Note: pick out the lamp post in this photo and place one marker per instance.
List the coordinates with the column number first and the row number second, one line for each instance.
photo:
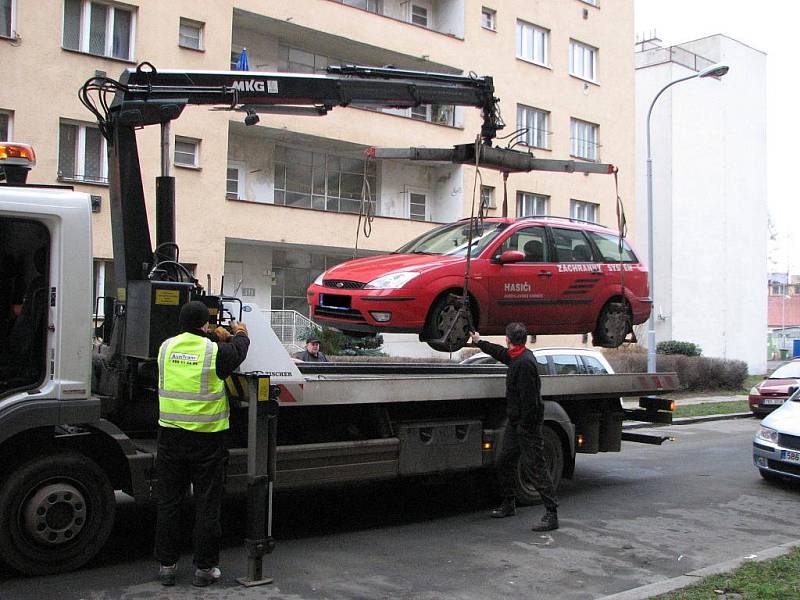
column 717, row 70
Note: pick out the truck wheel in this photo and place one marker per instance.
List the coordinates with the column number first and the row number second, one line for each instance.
column 553, row 456
column 613, row 325
column 443, row 314
column 56, row 512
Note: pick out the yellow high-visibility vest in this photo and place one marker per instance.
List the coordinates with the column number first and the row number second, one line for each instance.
column 190, row 395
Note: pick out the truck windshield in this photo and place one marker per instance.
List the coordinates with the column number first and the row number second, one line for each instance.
column 452, row 239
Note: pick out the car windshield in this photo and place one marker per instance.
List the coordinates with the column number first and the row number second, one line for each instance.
column 788, row 371
column 452, row 239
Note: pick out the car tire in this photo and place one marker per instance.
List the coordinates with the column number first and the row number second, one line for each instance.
column 442, row 313
column 613, row 325
column 56, row 513
column 553, row 456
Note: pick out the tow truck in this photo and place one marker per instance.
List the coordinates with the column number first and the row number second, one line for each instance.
column 78, row 407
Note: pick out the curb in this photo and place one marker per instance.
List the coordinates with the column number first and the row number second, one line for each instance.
column 690, row 420
column 676, row 583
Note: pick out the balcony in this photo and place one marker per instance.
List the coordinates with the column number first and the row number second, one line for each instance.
column 268, row 165
column 443, row 16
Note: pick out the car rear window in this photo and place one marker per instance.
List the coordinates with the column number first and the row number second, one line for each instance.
column 608, row 245
column 571, row 246
column 593, row 366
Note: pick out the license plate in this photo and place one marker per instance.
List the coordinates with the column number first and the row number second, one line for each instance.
column 790, row 456
column 773, row 401
column 334, row 301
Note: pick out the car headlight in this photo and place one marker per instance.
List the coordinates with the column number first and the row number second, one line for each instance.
column 754, row 391
column 318, row 280
column 768, row 435
column 392, row 281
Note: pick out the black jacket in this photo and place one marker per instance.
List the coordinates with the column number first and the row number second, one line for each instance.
column 523, row 386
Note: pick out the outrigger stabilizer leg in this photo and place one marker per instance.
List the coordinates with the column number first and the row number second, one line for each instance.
column 262, row 429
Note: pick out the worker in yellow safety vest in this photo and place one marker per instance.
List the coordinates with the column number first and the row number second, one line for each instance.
column 192, row 424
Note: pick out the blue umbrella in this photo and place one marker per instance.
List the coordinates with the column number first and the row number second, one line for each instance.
column 242, row 64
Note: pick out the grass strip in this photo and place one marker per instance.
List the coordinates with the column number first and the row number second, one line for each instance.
column 711, row 408
column 776, row 579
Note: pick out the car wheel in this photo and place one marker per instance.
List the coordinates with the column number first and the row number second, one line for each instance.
column 613, row 325
column 56, row 512
column 448, row 324
column 553, row 456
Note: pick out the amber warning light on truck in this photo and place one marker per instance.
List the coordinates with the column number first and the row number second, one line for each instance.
column 17, row 154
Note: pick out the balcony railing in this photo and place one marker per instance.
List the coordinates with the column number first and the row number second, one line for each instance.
column 290, row 327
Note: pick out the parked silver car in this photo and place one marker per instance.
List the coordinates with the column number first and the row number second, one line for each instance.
column 776, row 446
column 557, row 361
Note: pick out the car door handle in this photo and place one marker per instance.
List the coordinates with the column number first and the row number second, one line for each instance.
column 545, row 273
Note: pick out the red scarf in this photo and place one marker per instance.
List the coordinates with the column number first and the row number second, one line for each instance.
column 516, row 351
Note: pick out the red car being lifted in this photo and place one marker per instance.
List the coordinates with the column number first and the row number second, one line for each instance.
column 557, row 276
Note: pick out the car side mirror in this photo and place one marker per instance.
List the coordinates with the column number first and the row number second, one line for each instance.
column 511, row 256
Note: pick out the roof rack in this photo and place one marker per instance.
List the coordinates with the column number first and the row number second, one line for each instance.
column 570, row 219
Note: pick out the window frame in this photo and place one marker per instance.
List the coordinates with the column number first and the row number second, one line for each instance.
column 490, row 194
column 9, row 114
column 523, row 196
column 12, row 23
column 537, row 137
column 521, row 43
column 241, row 180
column 79, row 165
column 411, row 14
column 580, row 141
column 199, row 25
column 196, row 154
column 574, row 46
column 84, row 29
column 576, row 206
column 413, row 191
column 489, row 24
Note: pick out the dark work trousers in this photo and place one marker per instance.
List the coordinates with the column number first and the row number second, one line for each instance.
column 527, row 442
column 186, row 457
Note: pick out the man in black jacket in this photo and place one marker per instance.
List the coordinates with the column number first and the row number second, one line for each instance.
column 523, row 439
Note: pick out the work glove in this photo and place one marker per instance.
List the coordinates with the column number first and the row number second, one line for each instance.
column 223, row 335
column 237, row 328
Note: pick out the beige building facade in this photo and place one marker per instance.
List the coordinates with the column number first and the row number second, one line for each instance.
column 271, row 205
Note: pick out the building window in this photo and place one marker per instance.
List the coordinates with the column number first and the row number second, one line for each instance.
column 487, row 197
column 532, row 205
column 370, row 5
column 489, row 19
column 582, row 61
column 99, row 28
column 7, row 15
column 419, row 15
column 235, row 181
column 190, row 34
column 187, row 152
column 592, row 2
column 583, row 211
column 532, row 43
column 321, row 181
column 583, row 138
column 417, row 206
column 5, row 126
column 81, row 153
column 535, row 124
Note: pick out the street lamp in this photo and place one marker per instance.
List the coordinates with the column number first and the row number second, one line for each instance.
column 717, row 70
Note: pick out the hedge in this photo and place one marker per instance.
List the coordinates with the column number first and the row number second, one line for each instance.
column 694, row 372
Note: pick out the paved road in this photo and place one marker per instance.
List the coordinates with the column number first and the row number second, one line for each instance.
column 628, row 519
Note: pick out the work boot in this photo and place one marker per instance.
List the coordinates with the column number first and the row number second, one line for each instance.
column 204, row 577
column 166, row 574
column 549, row 522
column 507, row 509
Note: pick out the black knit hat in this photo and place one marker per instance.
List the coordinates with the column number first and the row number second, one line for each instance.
column 193, row 315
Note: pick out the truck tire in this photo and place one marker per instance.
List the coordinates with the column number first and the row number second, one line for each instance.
column 553, row 456
column 56, row 512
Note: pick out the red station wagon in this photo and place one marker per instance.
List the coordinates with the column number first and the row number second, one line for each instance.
column 558, row 276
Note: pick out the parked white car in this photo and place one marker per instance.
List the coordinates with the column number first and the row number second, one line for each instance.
column 558, row 361
column 776, row 446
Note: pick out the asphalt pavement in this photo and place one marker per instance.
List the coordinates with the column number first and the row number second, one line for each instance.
column 644, row 516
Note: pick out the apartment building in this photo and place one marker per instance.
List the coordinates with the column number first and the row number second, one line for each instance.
column 271, row 205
